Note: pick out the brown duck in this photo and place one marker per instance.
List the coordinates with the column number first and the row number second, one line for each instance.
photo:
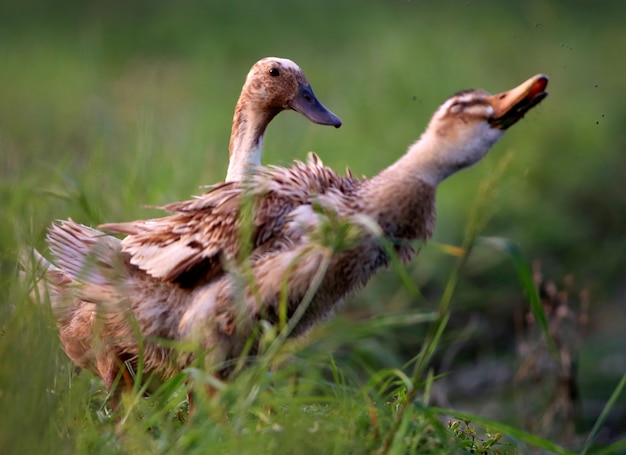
column 272, row 85
column 180, row 277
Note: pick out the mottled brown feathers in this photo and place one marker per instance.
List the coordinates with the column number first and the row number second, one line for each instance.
column 206, row 231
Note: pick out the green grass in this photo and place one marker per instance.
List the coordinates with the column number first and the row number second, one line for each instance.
column 107, row 108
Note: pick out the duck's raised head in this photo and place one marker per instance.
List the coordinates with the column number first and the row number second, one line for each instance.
column 276, row 84
column 467, row 125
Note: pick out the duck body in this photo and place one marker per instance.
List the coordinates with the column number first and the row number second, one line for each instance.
column 216, row 308
column 272, row 85
column 182, row 276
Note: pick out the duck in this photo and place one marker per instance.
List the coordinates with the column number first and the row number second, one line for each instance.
column 272, row 85
column 304, row 237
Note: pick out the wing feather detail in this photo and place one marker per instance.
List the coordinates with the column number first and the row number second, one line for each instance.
column 205, row 232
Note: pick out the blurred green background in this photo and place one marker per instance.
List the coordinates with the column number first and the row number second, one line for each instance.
column 109, row 106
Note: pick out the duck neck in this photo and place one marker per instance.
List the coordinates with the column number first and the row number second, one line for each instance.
column 402, row 196
column 414, row 168
column 422, row 162
column 246, row 138
column 402, row 200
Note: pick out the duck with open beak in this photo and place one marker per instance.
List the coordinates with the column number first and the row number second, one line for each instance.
column 512, row 105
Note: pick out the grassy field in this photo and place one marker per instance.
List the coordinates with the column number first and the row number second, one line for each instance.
column 107, row 107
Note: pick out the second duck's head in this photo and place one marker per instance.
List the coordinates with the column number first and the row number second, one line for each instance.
column 468, row 124
column 275, row 84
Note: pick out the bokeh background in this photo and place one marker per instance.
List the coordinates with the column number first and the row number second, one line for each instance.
column 109, row 106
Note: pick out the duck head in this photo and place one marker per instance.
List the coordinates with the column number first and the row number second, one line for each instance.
column 276, row 84
column 467, row 125
column 272, row 85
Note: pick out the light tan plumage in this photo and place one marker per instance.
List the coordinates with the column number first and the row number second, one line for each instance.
column 180, row 275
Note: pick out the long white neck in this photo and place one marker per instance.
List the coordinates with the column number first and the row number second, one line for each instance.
column 419, row 163
column 246, row 139
column 439, row 154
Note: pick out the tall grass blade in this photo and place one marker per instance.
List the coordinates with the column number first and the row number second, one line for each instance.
column 525, row 275
column 604, row 414
column 617, row 448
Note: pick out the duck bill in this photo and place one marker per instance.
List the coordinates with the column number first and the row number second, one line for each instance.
column 306, row 103
column 511, row 106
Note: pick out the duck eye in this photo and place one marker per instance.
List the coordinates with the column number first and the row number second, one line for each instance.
column 456, row 108
column 274, row 72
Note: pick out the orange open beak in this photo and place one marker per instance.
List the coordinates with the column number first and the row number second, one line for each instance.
column 511, row 106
